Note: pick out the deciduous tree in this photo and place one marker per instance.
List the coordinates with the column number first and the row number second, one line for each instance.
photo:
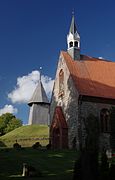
column 8, row 122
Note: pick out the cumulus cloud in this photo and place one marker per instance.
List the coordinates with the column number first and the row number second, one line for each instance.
column 26, row 85
column 8, row 109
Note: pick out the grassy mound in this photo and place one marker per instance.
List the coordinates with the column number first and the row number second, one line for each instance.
column 27, row 135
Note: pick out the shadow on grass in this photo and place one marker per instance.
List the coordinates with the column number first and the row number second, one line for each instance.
column 52, row 164
column 2, row 144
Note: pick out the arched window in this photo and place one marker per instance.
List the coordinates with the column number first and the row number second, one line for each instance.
column 61, row 82
column 76, row 43
column 71, row 44
column 105, row 120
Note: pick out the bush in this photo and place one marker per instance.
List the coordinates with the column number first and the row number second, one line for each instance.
column 37, row 145
column 16, row 145
column 48, row 146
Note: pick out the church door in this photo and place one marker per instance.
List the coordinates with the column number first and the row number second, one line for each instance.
column 59, row 130
column 56, row 138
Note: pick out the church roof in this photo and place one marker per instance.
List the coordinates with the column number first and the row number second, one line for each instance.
column 92, row 76
column 39, row 95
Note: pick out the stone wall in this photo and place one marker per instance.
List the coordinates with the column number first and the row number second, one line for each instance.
column 75, row 111
column 94, row 108
column 68, row 102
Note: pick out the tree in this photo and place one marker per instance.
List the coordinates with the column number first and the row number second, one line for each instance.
column 90, row 153
column 112, row 132
column 87, row 165
column 8, row 122
column 92, row 131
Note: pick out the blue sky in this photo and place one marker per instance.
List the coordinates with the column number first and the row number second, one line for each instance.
column 32, row 33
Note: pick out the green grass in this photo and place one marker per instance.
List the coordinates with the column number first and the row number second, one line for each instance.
column 54, row 165
column 27, row 135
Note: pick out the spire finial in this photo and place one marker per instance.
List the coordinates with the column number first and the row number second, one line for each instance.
column 40, row 72
column 73, row 12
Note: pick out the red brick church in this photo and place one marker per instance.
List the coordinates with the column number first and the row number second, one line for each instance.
column 83, row 85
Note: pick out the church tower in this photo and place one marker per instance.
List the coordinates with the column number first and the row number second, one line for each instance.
column 73, row 41
column 39, row 106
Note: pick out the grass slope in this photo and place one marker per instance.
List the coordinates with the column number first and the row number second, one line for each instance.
column 27, row 135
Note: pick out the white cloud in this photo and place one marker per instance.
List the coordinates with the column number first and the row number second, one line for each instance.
column 48, row 85
column 8, row 109
column 100, row 57
column 26, row 86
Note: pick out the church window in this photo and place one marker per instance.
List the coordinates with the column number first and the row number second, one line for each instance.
column 105, row 120
column 76, row 43
column 71, row 44
column 61, row 82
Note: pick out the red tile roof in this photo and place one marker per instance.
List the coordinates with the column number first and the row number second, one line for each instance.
column 92, row 76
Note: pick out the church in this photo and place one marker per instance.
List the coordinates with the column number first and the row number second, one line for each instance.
column 83, row 85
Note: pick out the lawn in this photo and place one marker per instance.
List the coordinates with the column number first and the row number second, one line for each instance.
column 54, row 165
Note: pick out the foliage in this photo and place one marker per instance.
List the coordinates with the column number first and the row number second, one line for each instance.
column 104, row 161
column 36, row 145
column 48, row 146
column 92, row 131
column 90, row 154
column 16, row 145
column 87, row 165
column 8, row 122
column 112, row 172
column 112, row 121
column 104, row 166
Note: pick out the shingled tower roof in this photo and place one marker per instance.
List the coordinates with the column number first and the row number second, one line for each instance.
column 39, row 95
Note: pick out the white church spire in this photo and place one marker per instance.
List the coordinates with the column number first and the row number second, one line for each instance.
column 73, row 41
